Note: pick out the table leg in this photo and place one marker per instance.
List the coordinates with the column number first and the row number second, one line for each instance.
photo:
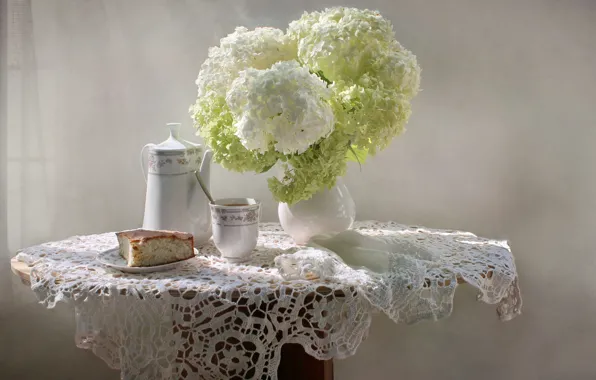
column 296, row 364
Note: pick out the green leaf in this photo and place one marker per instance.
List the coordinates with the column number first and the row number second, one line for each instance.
column 356, row 154
column 266, row 168
column 323, row 77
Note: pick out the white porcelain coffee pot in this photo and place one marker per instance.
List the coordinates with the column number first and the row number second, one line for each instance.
column 174, row 199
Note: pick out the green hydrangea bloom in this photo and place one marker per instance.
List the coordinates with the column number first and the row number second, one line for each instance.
column 370, row 80
column 373, row 76
column 316, row 169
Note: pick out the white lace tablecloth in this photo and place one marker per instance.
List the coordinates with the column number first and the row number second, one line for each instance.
column 210, row 319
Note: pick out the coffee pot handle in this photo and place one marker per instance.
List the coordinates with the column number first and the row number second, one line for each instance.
column 143, row 168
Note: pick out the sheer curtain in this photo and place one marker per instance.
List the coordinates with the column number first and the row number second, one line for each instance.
column 5, row 283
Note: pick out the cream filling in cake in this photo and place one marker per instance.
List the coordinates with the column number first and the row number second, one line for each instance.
column 143, row 248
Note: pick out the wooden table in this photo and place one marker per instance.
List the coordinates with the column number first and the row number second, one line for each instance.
column 295, row 363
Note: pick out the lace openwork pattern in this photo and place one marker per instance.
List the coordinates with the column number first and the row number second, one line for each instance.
column 210, row 319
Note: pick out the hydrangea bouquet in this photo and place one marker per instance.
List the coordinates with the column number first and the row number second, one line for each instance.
column 335, row 87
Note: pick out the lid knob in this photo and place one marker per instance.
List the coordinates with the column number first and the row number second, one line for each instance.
column 174, row 130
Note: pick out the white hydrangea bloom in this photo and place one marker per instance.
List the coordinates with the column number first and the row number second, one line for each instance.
column 259, row 49
column 354, row 46
column 285, row 105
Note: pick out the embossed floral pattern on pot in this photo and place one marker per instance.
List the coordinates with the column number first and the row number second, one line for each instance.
column 155, row 163
column 174, row 163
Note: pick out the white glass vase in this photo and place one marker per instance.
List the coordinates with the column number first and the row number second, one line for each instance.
column 327, row 212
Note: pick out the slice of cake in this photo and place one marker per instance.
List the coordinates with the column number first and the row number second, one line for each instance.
column 145, row 248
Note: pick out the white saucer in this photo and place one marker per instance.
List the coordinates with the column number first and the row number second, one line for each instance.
column 111, row 258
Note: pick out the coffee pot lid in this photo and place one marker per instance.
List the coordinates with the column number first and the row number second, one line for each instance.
column 174, row 143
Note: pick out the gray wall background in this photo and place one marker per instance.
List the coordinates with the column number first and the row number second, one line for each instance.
column 500, row 143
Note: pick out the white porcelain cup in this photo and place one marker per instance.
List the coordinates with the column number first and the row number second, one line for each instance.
column 235, row 224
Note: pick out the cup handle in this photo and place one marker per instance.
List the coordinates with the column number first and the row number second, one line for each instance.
column 143, row 168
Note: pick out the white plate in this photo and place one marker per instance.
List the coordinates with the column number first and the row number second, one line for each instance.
column 111, row 258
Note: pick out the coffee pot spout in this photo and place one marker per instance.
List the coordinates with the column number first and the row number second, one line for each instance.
column 205, row 169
